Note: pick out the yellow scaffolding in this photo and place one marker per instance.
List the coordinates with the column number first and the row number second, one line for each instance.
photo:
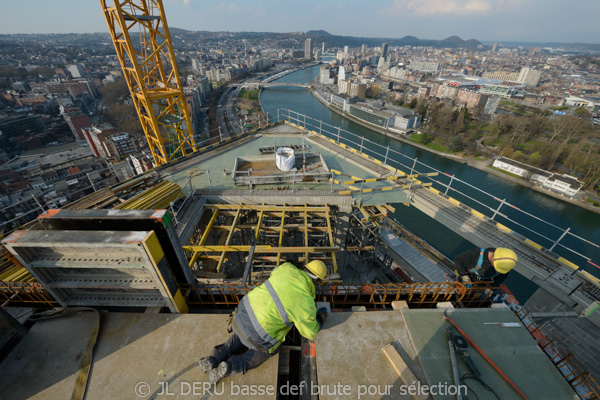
column 151, row 74
column 262, row 234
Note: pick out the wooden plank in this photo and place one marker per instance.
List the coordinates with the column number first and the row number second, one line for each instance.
column 401, row 368
column 262, row 249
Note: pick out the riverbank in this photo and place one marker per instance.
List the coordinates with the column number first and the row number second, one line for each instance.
column 482, row 165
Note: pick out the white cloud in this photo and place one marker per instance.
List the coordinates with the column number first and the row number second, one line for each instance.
column 233, row 8
column 186, row 2
column 444, row 7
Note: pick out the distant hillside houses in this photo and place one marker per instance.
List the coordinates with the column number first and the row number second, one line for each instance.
column 563, row 184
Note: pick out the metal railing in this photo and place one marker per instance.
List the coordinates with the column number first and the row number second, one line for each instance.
column 488, row 204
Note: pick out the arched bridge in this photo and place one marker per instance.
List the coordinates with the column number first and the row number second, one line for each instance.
column 279, row 84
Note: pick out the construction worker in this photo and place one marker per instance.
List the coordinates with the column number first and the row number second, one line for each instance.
column 265, row 316
column 487, row 265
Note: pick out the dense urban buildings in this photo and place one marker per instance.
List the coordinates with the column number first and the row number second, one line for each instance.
column 71, row 98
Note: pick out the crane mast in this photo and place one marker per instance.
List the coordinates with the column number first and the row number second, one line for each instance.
column 140, row 33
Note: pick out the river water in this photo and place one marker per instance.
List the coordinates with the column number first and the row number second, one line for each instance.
column 582, row 223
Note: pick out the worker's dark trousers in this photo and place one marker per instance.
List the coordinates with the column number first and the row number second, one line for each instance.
column 241, row 357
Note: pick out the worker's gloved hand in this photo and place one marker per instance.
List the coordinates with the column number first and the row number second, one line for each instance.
column 466, row 280
column 321, row 316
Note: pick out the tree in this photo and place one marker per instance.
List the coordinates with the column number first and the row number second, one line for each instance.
column 375, row 91
column 502, row 123
column 535, row 159
column 574, row 153
column 558, row 152
column 422, row 106
column 592, row 173
column 426, row 137
column 518, row 128
column 456, row 144
column 519, row 156
column 115, row 92
column 568, row 127
column 507, row 151
column 583, row 112
column 534, row 127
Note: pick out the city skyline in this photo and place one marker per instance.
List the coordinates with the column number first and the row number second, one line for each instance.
column 486, row 20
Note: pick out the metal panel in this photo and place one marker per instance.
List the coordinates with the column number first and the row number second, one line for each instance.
column 98, row 268
column 159, row 221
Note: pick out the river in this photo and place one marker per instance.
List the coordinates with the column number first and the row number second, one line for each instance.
column 583, row 223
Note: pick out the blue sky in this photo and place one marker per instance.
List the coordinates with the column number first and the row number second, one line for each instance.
column 509, row 20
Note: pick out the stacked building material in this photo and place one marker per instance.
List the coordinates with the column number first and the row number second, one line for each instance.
column 157, row 197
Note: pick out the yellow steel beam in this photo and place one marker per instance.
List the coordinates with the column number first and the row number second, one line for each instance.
column 268, row 208
column 300, row 227
column 365, row 213
column 331, row 241
column 260, row 217
column 203, row 238
column 272, row 259
column 357, row 248
column 281, row 234
column 261, row 249
column 208, row 228
column 306, row 232
column 235, row 220
column 383, row 189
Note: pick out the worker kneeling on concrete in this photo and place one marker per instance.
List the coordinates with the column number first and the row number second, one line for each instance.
column 265, row 316
column 488, row 265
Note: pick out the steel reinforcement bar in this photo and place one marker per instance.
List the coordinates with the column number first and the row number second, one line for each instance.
column 424, row 295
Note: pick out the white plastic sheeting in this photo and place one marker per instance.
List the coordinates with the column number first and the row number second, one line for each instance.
column 285, row 158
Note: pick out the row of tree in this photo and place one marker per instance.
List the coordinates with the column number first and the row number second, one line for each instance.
column 566, row 144
column 119, row 114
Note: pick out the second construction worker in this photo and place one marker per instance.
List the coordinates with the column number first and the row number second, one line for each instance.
column 487, row 265
column 265, row 316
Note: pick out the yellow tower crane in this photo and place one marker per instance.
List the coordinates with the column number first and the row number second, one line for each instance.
column 141, row 37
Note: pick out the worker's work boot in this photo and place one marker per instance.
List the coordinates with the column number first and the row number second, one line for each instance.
column 207, row 364
column 216, row 374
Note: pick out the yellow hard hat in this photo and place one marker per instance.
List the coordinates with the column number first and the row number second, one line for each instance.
column 504, row 260
column 318, row 268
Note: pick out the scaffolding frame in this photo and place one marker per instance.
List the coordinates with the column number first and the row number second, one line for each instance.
column 236, row 239
column 364, row 231
column 151, row 73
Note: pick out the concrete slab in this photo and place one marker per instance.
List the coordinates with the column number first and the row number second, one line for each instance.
column 512, row 349
column 200, row 176
column 136, row 356
column 350, row 361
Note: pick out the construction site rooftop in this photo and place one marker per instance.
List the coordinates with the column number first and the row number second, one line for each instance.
column 214, row 170
column 358, row 355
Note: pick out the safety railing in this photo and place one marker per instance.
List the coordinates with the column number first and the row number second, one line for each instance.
column 488, row 204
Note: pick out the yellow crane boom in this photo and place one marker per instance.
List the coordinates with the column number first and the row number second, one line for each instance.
column 140, row 33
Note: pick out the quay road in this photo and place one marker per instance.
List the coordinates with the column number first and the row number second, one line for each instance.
column 228, row 126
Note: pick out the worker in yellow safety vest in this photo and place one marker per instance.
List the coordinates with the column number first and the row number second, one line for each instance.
column 265, row 316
